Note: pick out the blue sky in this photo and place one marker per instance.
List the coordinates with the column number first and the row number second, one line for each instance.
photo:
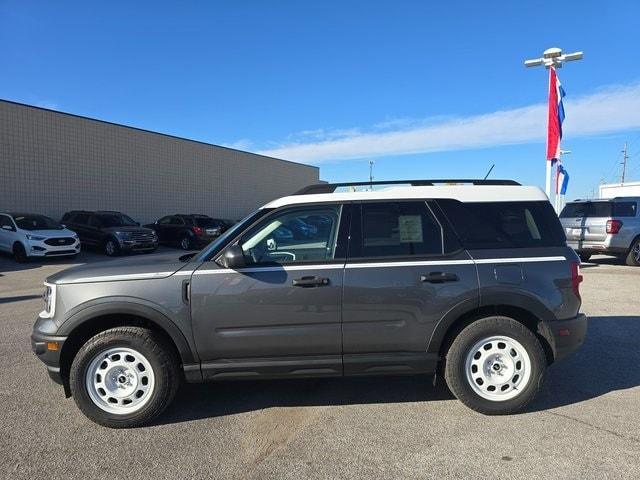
column 413, row 85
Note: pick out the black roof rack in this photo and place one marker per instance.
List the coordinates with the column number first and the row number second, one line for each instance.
column 331, row 187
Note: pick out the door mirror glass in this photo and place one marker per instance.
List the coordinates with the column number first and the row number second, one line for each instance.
column 234, row 257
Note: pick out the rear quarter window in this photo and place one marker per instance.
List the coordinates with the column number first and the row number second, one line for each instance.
column 625, row 209
column 483, row 225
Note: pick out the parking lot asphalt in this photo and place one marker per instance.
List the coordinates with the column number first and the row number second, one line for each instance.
column 584, row 424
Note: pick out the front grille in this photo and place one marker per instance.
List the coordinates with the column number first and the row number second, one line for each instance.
column 141, row 236
column 59, row 242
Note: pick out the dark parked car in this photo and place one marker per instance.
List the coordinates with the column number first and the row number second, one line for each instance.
column 473, row 281
column 113, row 232
column 188, row 231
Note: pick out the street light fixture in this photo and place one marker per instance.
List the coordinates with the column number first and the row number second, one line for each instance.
column 553, row 57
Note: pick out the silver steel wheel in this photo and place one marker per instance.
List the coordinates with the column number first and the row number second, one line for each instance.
column 120, row 380
column 110, row 247
column 498, row 368
column 636, row 252
column 185, row 243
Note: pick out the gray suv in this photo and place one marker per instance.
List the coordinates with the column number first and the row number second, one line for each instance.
column 473, row 281
column 610, row 227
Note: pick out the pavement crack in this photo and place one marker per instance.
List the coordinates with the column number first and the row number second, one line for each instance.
column 596, row 427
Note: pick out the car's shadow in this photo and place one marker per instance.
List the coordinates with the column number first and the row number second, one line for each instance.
column 608, row 361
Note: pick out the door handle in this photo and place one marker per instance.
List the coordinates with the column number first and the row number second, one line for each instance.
column 307, row 282
column 439, row 277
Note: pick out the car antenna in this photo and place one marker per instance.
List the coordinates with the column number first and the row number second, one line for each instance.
column 485, row 177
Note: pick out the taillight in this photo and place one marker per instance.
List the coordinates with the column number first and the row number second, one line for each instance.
column 576, row 278
column 613, row 226
column 197, row 230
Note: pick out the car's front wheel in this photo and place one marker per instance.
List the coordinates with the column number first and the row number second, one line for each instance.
column 111, row 247
column 495, row 366
column 19, row 253
column 124, row 377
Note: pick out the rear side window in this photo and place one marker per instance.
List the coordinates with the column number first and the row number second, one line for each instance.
column 587, row 209
column 398, row 229
column 504, row 224
column 625, row 209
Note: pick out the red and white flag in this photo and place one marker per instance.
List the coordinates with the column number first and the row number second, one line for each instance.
column 555, row 118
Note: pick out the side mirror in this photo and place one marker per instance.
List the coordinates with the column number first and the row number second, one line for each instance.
column 234, row 257
column 8, row 228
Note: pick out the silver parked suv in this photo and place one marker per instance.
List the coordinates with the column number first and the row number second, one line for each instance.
column 472, row 280
column 609, row 226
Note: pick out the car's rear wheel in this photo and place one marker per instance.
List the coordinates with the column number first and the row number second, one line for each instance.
column 124, row 377
column 186, row 243
column 633, row 257
column 111, row 247
column 19, row 253
column 495, row 366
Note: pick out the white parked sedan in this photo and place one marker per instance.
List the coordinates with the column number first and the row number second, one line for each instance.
column 30, row 235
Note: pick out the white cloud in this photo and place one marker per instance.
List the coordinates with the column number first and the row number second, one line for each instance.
column 242, row 144
column 609, row 110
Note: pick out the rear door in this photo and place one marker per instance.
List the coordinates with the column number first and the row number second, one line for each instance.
column 163, row 228
column 403, row 274
column 6, row 236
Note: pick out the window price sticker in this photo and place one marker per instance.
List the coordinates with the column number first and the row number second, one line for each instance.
column 410, row 227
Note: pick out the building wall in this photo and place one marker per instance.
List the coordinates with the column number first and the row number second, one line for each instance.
column 52, row 162
column 630, row 189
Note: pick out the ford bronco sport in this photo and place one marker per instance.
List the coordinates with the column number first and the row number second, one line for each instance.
column 473, row 280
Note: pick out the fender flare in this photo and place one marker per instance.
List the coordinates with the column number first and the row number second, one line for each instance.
column 128, row 306
column 488, row 298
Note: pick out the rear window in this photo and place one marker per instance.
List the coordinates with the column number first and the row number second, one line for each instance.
column 504, row 224
column 587, row 209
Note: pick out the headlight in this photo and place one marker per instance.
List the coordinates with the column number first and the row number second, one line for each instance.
column 75, row 235
column 49, row 297
column 35, row 237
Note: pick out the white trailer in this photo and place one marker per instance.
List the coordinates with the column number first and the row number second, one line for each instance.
column 612, row 190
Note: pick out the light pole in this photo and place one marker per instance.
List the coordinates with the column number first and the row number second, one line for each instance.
column 371, row 162
column 552, row 58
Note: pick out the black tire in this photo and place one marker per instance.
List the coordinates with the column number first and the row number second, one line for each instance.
column 455, row 366
column 633, row 257
column 19, row 253
column 160, row 356
column 186, row 243
column 111, row 247
column 584, row 257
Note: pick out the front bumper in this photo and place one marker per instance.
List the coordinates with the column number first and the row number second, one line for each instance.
column 47, row 348
column 566, row 336
column 137, row 246
column 37, row 248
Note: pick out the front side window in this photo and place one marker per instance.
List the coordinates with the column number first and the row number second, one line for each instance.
column 398, row 229
column 304, row 234
column 165, row 221
column 5, row 221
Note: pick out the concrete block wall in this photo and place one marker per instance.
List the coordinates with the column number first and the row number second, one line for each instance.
column 51, row 162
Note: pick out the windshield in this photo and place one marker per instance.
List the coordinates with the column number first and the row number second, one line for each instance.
column 36, row 222
column 214, row 247
column 117, row 220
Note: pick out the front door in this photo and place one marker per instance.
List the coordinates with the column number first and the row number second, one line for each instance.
column 404, row 273
column 279, row 315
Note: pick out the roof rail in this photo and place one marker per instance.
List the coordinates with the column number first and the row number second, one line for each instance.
column 331, row 187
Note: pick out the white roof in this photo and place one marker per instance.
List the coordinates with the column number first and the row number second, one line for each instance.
column 464, row 193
